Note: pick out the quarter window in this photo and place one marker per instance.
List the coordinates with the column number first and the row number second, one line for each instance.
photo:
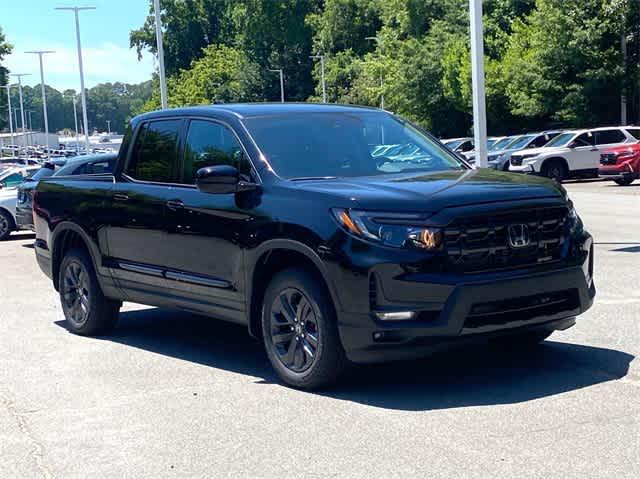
column 635, row 132
column 607, row 137
column 155, row 153
column 210, row 144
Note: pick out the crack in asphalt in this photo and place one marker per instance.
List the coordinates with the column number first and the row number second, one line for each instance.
column 37, row 452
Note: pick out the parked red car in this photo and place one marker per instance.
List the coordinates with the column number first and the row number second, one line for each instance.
column 621, row 164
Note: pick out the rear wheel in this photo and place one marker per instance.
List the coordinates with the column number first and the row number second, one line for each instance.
column 87, row 311
column 300, row 331
column 626, row 181
column 6, row 225
column 554, row 170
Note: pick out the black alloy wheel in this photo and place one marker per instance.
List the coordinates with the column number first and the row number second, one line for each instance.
column 74, row 291
column 300, row 330
column 294, row 330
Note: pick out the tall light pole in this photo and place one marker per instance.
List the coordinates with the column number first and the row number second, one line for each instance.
column 82, row 93
column 8, row 87
column 75, row 119
column 28, row 112
column 477, row 77
column 279, row 70
column 324, row 89
column 378, row 43
column 19, row 76
column 40, row 53
column 109, row 127
column 160, row 49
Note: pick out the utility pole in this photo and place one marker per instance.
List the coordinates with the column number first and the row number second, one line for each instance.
column 324, row 88
column 623, row 95
column 19, row 76
column 8, row 87
column 109, row 126
column 477, row 77
column 160, row 49
column 30, row 127
column 279, row 70
column 40, row 53
column 75, row 10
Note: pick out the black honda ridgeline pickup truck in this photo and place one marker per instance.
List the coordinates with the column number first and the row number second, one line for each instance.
column 336, row 234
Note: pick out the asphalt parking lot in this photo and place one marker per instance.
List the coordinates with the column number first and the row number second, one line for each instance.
column 175, row 395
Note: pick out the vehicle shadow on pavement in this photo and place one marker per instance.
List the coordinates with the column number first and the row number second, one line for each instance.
column 471, row 377
column 20, row 237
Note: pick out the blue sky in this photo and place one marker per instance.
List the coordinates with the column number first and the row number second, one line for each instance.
column 35, row 25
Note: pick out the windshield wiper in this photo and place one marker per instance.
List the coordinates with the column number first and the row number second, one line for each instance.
column 306, row 178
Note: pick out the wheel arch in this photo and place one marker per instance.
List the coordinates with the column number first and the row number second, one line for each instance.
column 65, row 237
column 272, row 257
column 559, row 159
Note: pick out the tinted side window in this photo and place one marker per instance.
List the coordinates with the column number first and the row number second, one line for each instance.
column 635, row 132
column 541, row 141
column 155, row 153
column 607, row 137
column 586, row 139
column 210, row 144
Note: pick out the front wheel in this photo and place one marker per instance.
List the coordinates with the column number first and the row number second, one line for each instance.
column 300, row 331
column 554, row 170
column 626, row 181
column 86, row 309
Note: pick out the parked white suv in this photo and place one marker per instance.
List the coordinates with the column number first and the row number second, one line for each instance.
column 573, row 153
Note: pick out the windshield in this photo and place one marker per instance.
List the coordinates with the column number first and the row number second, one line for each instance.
column 454, row 144
column 520, row 142
column 320, row 145
column 500, row 144
column 43, row 172
column 561, row 140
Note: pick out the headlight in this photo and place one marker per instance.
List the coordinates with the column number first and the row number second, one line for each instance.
column 575, row 223
column 397, row 230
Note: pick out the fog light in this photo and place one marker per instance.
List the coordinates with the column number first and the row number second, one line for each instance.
column 396, row 315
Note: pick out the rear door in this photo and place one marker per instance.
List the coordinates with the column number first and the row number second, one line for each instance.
column 206, row 231
column 137, row 237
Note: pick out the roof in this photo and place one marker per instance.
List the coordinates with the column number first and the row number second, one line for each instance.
column 248, row 110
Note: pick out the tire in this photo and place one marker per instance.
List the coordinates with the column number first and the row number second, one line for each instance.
column 305, row 354
column 87, row 311
column 6, row 225
column 554, row 170
column 624, row 181
column 524, row 340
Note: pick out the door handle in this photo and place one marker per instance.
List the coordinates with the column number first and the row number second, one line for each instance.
column 121, row 197
column 174, row 205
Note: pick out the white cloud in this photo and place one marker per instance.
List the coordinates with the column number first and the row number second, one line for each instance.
column 107, row 63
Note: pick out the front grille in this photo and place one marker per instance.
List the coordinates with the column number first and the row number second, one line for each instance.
column 608, row 158
column 526, row 308
column 482, row 243
column 516, row 160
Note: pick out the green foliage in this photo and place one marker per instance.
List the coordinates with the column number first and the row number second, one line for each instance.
column 5, row 49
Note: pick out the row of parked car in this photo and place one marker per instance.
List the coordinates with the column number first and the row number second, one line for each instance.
column 18, row 181
column 609, row 152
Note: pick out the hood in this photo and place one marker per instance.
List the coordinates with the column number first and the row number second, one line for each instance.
column 540, row 151
column 432, row 192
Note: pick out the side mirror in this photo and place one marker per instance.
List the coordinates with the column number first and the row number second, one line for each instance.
column 221, row 179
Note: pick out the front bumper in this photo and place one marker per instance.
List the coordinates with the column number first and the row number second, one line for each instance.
column 453, row 313
column 616, row 172
column 527, row 169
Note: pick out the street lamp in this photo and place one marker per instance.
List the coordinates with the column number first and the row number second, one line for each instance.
column 8, row 87
column 378, row 43
column 19, row 76
column 279, row 70
column 40, row 53
column 160, row 49
column 28, row 112
column 82, row 93
column 477, row 77
column 109, row 126
column 324, row 89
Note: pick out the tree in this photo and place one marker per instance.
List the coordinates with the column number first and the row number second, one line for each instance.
column 5, row 49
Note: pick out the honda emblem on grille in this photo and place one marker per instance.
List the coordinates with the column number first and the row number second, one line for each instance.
column 519, row 235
